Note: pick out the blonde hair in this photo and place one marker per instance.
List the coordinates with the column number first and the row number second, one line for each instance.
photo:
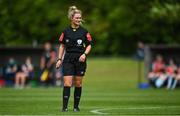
column 73, row 10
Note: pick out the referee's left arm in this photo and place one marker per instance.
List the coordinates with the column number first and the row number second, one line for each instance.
column 88, row 49
column 89, row 42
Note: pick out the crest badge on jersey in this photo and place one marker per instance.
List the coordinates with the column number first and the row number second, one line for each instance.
column 79, row 41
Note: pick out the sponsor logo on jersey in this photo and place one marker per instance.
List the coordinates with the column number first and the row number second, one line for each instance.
column 67, row 40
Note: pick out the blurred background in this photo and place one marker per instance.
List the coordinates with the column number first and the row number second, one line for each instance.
column 114, row 25
column 119, row 28
column 128, row 36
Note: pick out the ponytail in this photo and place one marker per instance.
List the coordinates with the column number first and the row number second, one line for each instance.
column 73, row 10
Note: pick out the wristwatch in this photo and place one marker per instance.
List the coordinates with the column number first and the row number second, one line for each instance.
column 59, row 59
column 85, row 54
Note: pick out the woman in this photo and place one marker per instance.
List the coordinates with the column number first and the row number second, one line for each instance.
column 47, row 63
column 157, row 75
column 177, row 78
column 75, row 42
column 24, row 71
column 171, row 68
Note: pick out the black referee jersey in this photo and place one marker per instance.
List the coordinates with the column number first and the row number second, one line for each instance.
column 75, row 40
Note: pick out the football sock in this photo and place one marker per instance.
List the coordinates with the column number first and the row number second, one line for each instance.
column 66, row 94
column 77, row 96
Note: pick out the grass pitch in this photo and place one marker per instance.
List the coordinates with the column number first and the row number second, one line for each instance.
column 109, row 88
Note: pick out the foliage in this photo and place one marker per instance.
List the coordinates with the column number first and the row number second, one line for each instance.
column 116, row 25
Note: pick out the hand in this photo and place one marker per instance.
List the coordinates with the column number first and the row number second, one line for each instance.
column 58, row 64
column 82, row 58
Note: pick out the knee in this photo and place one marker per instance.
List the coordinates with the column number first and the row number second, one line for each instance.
column 78, row 83
column 17, row 75
column 67, row 83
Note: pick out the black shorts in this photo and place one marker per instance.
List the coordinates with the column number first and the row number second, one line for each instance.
column 71, row 65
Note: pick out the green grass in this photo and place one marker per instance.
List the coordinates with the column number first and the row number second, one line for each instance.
column 110, row 87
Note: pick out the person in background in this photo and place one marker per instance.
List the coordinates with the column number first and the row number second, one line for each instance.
column 157, row 75
column 139, row 57
column 30, row 68
column 170, row 72
column 140, row 51
column 47, row 64
column 24, row 71
column 177, row 78
column 10, row 71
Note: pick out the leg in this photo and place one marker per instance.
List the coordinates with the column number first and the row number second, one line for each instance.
column 77, row 92
column 170, row 78
column 66, row 91
column 152, row 78
column 174, row 84
column 175, row 81
column 17, row 77
column 20, row 76
column 80, row 72
column 23, row 80
column 68, row 71
column 160, row 81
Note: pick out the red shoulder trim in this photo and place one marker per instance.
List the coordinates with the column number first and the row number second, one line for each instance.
column 89, row 38
column 61, row 37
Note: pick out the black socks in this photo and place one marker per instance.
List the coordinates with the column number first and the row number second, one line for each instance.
column 77, row 96
column 66, row 94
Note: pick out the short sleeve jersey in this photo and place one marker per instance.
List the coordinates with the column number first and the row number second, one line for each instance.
column 75, row 40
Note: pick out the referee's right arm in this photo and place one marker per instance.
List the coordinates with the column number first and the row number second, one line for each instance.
column 61, row 51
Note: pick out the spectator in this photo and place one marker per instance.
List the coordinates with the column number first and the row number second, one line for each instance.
column 30, row 67
column 24, row 71
column 140, row 51
column 47, row 63
column 157, row 76
column 10, row 71
column 177, row 78
column 170, row 72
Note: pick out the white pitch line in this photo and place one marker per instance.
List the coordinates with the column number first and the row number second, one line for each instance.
column 97, row 111
column 100, row 111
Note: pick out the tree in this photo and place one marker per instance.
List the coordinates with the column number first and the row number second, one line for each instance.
column 116, row 25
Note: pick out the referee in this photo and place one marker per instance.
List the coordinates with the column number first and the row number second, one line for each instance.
column 75, row 45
